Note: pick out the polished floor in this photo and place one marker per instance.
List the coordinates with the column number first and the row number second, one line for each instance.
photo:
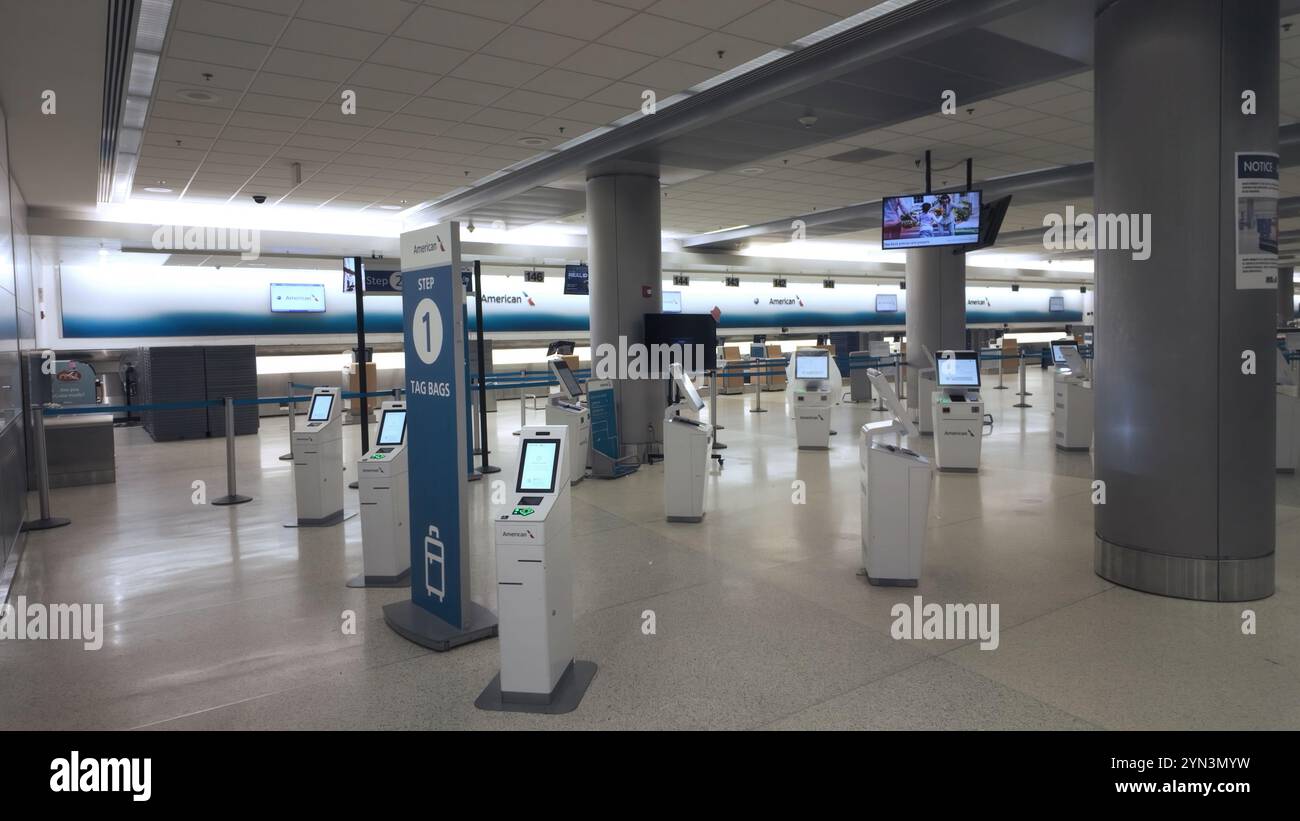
column 221, row 618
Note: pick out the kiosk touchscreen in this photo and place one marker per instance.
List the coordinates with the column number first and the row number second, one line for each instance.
column 535, row 584
column 1072, row 407
column 318, row 461
column 569, row 408
column 810, row 394
column 958, row 411
column 686, row 451
column 385, row 504
column 894, row 497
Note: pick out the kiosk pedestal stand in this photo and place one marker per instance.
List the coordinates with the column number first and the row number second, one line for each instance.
column 1072, row 398
column 686, row 452
column 318, row 463
column 959, row 418
column 385, row 505
column 535, row 586
column 812, row 400
column 567, row 409
column 895, row 498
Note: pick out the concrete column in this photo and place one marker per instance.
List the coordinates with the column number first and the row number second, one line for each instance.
column 1285, row 294
column 1184, row 440
column 623, row 241
column 936, row 308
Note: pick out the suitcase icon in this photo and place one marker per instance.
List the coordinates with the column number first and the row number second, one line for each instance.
column 433, row 554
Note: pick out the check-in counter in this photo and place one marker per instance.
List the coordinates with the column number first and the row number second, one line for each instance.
column 731, row 371
column 774, row 381
column 80, row 450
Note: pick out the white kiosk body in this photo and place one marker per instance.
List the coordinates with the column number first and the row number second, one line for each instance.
column 1072, row 402
column 318, row 460
column 811, row 395
column 925, row 387
column 958, row 411
column 385, row 501
column 569, row 408
column 1288, row 416
column 895, row 496
column 535, row 570
column 686, row 451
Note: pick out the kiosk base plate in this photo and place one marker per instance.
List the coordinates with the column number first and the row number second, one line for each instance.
column 402, row 579
column 888, row 582
column 418, row 625
column 565, row 698
column 328, row 521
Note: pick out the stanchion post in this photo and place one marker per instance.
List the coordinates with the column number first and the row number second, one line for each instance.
column 288, row 457
column 232, row 497
column 1000, row 387
column 758, row 390
column 713, row 409
column 47, row 521
column 1023, row 393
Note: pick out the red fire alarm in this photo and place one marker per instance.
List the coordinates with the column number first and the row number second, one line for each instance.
column 647, row 291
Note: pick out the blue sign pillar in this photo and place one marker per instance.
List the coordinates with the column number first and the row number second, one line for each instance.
column 440, row 614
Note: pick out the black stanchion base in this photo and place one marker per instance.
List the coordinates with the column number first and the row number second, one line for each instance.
column 1000, row 387
column 288, row 457
column 475, row 476
column 354, row 485
column 402, row 579
column 45, row 524
column 719, row 446
column 418, row 625
column 758, row 410
column 236, row 499
column 1022, row 405
column 488, row 469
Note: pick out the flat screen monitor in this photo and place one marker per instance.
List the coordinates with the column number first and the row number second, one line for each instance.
column 349, row 274
column 297, row 298
column 927, row 220
column 1058, row 351
column 392, row 427
column 687, row 387
column 321, row 405
column 957, row 369
column 575, row 280
column 1056, row 304
column 568, row 380
column 812, row 365
column 672, row 302
column 686, row 330
column 538, row 463
column 758, row 351
column 886, row 303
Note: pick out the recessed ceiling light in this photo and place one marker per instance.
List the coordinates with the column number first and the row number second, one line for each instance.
column 197, row 95
column 753, row 169
column 533, row 142
column 158, row 189
column 391, row 207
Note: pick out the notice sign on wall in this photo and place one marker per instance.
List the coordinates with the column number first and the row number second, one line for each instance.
column 1257, row 192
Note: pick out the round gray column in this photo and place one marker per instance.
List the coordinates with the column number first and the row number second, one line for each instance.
column 623, row 240
column 936, row 309
column 1285, row 294
column 1184, row 440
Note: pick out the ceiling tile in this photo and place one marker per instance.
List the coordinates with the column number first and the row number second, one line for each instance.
column 390, row 78
column 216, row 50
column 381, row 16
column 304, row 64
column 566, row 83
column 711, row 14
column 488, row 69
column 449, row 28
column 735, row 51
column 301, row 88
column 670, row 76
column 219, row 20
column 506, row 11
column 308, row 35
column 467, row 91
column 533, row 102
column 780, row 22
column 585, row 19
column 500, row 118
column 533, row 46
column 440, row 109
column 417, row 56
column 654, row 35
column 606, row 61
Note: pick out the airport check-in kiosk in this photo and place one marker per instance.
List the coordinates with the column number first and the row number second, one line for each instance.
column 568, row 408
column 1288, row 416
column 895, row 495
column 385, row 503
column 959, row 418
column 318, row 460
column 925, row 386
column 1072, row 404
column 535, row 583
column 811, row 395
column 686, row 451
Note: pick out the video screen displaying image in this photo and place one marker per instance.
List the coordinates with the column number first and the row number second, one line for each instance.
column 924, row 220
column 811, row 366
column 886, row 303
column 537, row 466
column 296, row 297
column 958, row 371
column 321, row 404
column 1056, row 303
column 392, row 429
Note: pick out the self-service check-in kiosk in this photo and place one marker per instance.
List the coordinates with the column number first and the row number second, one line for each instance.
column 686, row 451
column 568, row 408
column 959, row 418
column 1072, row 404
column 318, row 461
column 925, row 386
column 811, row 395
column 535, row 585
column 1288, row 416
column 385, row 504
column 895, row 495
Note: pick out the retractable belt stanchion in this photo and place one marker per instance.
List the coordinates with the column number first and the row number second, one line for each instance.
column 758, row 390
column 231, row 497
column 288, row 457
column 1023, row 393
column 880, row 400
column 523, row 413
column 1000, row 386
column 713, row 409
column 46, row 522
